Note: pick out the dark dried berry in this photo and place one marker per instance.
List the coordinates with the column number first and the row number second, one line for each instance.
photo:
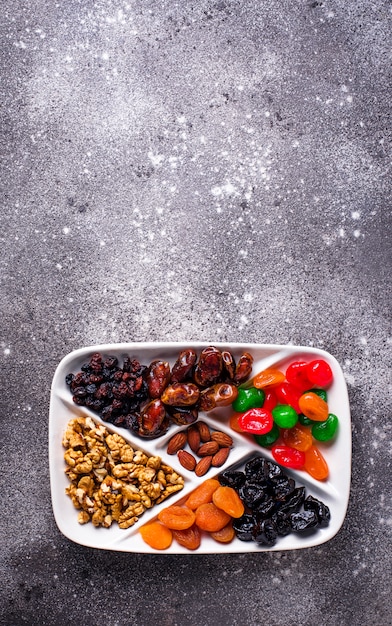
column 303, row 520
column 85, row 367
column 68, row 379
column 293, row 501
column 251, row 494
column 265, row 533
column 110, row 362
column 322, row 511
column 79, row 401
column 243, row 527
column 96, row 362
column 265, row 508
column 232, row 478
column 282, row 523
column 282, row 486
column 80, row 392
column 91, row 388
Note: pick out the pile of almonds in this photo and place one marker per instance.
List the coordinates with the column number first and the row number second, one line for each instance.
column 212, row 448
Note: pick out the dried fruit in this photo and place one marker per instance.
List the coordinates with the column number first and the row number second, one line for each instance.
column 209, row 367
column 220, row 394
column 225, row 534
column 187, row 460
column 156, row 535
column 177, row 517
column 208, row 448
column 210, row 518
column 203, row 466
column 189, row 537
column 227, row 499
column 203, row 493
column 181, row 394
column 183, row 367
column 157, row 378
column 177, row 442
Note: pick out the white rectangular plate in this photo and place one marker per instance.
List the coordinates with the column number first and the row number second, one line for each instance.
column 334, row 492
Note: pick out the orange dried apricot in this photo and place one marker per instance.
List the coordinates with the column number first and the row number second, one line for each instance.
column 177, row 517
column 227, row 499
column 157, row 535
column 189, row 537
column 225, row 535
column 202, row 494
column 210, row 518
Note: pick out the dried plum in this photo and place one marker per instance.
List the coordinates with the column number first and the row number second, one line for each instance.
column 322, row 511
column 294, row 501
column 282, row 523
column 251, row 494
column 243, row 527
column 303, row 520
column 265, row 533
column 232, row 478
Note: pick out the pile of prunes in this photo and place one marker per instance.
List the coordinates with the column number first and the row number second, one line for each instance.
column 274, row 505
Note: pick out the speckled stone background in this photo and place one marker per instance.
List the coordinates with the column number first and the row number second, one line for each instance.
column 211, row 170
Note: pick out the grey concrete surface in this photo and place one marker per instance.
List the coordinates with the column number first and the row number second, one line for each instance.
column 212, row 170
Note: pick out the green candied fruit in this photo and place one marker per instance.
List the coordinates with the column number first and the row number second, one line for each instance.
column 250, row 398
column 285, row 416
column 269, row 438
column 320, row 392
column 305, row 421
column 325, row 431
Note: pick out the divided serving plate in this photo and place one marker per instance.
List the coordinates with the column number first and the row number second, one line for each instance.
column 334, row 491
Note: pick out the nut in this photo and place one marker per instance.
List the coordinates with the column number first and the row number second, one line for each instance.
column 193, row 438
column 187, row 460
column 208, row 448
column 220, row 457
column 176, row 443
column 204, row 431
column 203, row 466
column 223, row 440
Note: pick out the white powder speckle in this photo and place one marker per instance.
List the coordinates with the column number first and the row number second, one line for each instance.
column 7, row 351
column 355, row 215
column 66, row 230
column 357, row 233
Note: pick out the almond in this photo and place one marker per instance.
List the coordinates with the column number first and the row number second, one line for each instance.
column 220, row 457
column 204, row 431
column 224, row 441
column 208, row 448
column 176, row 443
column 193, row 438
column 187, row 460
column 203, row 466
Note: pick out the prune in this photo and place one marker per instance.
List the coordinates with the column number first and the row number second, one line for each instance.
column 251, row 494
column 243, row 527
column 293, row 502
column 257, row 468
column 232, row 478
column 282, row 523
column 303, row 520
column 322, row 511
column 282, row 486
column 265, row 508
column 265, row 533
column 182, row 369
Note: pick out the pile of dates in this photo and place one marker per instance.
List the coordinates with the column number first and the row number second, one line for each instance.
column 146, row 399
column 274, row 506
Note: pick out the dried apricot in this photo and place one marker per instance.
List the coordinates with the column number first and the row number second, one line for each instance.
column 189, row 537
column 177, row 517
column 157, row 535
column 225, row 535
column 227, row 499
column 203, row 493
column 210, row 518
